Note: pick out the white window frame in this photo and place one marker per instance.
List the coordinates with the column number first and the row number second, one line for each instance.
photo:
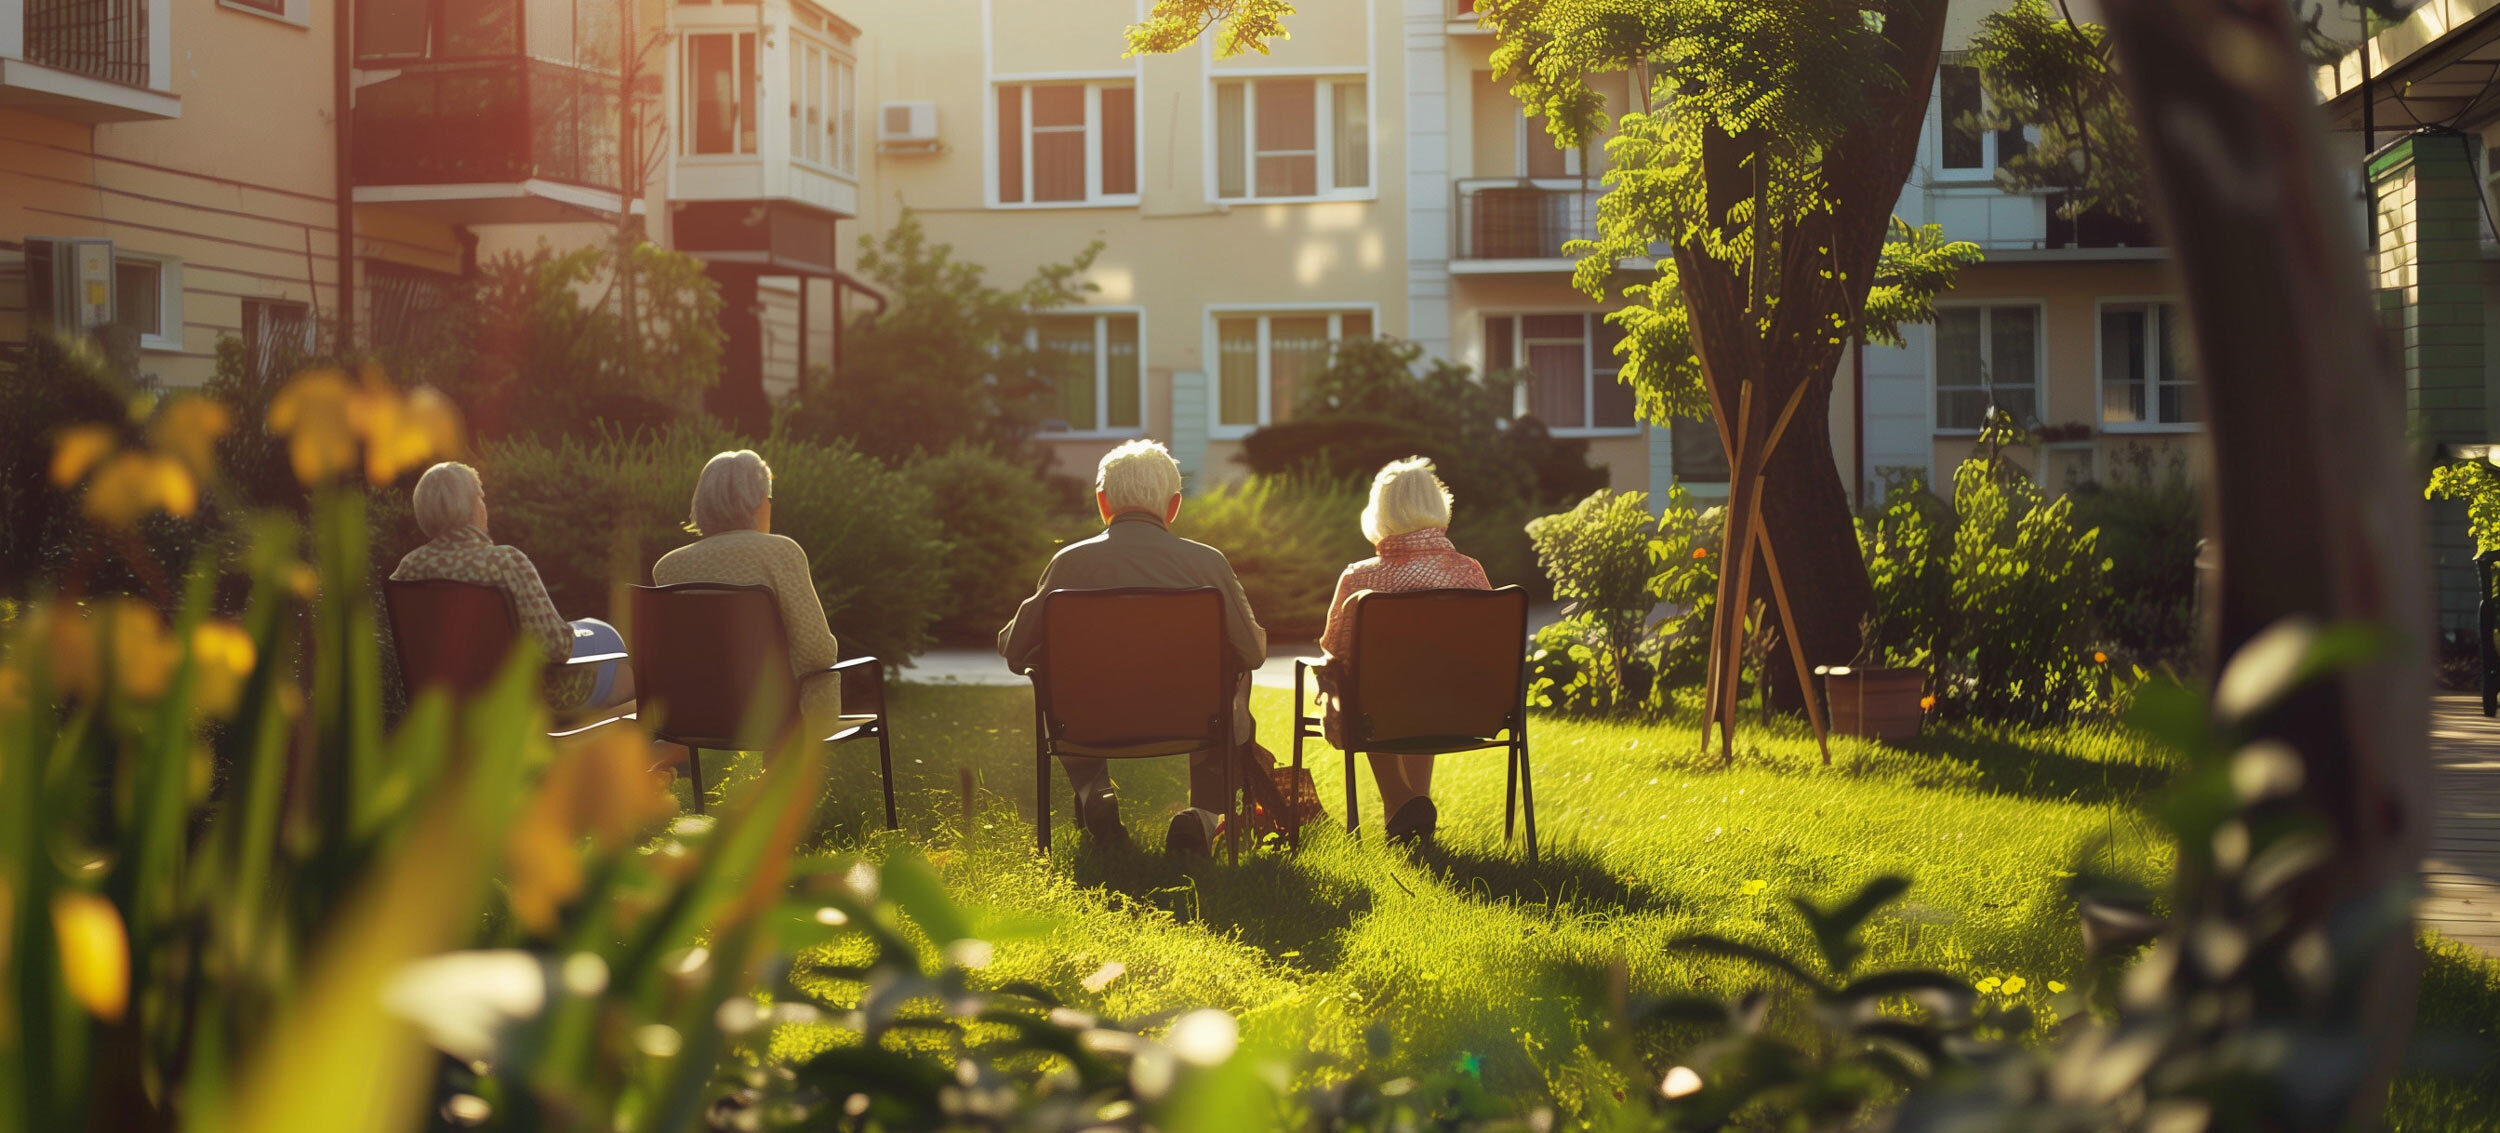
column 168, row 336
column 1101, row 317
column 1323, row 136
column 2155, row 375
column 1217, row 429
column 1985, row 173
column 752, row 92
column 296, row 13
column 1987, row 357
column 837, row 78
column 1094, row 82
column 1592, row 367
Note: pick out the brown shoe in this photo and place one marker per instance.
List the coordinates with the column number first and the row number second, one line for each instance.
column 1098, row 814
column 1414, row 822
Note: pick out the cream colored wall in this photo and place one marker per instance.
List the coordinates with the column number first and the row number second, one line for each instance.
column 1177, row 251
column 240, row 188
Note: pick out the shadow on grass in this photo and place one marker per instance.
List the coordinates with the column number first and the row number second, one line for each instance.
column 1563, row 877
column 1271, row 900
column 2034, row 765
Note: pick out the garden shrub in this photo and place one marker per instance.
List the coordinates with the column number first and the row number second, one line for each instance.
column 1288, row 538
column 1599, row 557
column 2151, row 523
column 997, row 521
column 594, row 514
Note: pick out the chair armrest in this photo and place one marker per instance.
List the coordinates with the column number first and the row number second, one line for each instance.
column 593, row 659
column 851, row 663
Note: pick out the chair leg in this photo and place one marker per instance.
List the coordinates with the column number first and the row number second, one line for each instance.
column 1232, row 800
column 1510, row 793
column 1352, row 823
column 1527, row 797
column 885, row 766
column 1041, row 797
column 1293, row 831
column 694, row 772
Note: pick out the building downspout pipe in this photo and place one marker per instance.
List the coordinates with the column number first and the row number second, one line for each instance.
column 341, row 91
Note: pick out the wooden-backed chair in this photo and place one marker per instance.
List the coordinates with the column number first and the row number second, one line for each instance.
column 1133, row 673
column 712, row 671
column 456, row 636
column 1430, row 672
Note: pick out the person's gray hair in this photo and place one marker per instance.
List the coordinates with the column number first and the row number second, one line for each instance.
column 732, row 487
column 446, row 498
column 1406, row 496
column 1138, row 476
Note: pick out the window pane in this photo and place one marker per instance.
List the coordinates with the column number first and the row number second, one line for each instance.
column 1230, row 180
column 2122, row 365
column 1127, row 408
column 803, row 106
column 713, row 82
column 1611, row 402
column 1499, row 353
column 1698, row 453
column 2181, row 401
column 1119, row 140
column 1352, row 134
column 1288, row 145
column 1058, row 143
column 391, row 28
column 1355, row 324
column 550, row 27
column 1960, row 403
column 744, row 92
column 1072, row 337
column 1011, row 143
column 845, row 118
column 1297, row 352
column 2011, row 144
column 1960, row 90
column 2013, row 347
column 1544, row 159
column 1237, row 371
column 598, row 37
column 1558, row 374
column 478, row 27
column 137, row 303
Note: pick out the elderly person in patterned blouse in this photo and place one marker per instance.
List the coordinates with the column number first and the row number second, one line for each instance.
column 451, row 510
column 733, row 511
column 1408, row 522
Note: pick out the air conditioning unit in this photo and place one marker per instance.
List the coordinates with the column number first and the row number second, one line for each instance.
column 907, row 127
column 69, row 284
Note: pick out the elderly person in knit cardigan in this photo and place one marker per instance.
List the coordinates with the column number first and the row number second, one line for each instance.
column 450, row 503
column 733, row 511
column 1408, row 522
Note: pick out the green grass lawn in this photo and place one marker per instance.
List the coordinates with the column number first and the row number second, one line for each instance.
column 1468, row 956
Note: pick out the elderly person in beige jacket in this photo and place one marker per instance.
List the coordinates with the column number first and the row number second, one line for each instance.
column 1137, row 489
column 733, row 511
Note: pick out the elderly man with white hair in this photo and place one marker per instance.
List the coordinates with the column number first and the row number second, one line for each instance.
column 733, row 511
column 1137, row 490
column 451, row 509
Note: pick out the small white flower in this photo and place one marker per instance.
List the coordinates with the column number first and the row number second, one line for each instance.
column 1204, row 1037
column 1680, row 1082
column 463, row 1000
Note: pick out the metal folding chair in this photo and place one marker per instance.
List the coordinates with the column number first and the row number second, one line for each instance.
column 1430, row 672
column 713, row 672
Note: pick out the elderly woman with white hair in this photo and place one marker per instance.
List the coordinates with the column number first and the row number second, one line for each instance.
column 451, row 509
column 733, row 511
column 1408, row 522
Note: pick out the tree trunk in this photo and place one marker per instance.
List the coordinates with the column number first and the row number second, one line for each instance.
column 2312, row 497
column 1806, row 515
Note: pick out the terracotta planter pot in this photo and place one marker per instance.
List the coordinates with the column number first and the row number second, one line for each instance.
column 1881, row 703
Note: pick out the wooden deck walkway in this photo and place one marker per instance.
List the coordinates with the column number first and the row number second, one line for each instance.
column 2463, row 868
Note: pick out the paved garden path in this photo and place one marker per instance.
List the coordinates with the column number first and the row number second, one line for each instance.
column 2463, row 869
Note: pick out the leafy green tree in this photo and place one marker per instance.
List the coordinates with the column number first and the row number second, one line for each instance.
column 948, row 361
column 548, row 351
column 2046, row 70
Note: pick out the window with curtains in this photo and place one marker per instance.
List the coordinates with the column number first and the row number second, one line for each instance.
column 1289, row 139
column 1067, row 143
column 1265, row 361
column 1987, row 358
column 2143, row 379
column 719, row 110
column 823, row 107
column 1103, row 387
column 1569, row 371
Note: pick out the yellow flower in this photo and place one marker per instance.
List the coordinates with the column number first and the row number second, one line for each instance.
column 603, row 790
column 144, row 654
column 189, row 427
column 133, row 483
column 1755, row 887
column 77, row 449
column 407, row 433
column 2056, row 987
column 1989, row 986
column 1927, row 703
column 13, row 696
column 324, row 416
column 302, row 581
column 2014, row 985
column 312, row 414
column 95, row 953
column 225, row 656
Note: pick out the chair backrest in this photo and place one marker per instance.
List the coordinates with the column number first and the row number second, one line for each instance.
column 1134, row 666
column 1435, row 664
column 450, row 635
column 712, row 666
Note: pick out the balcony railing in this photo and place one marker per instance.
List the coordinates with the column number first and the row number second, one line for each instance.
column 1513, row 219
column 103, row 39
column 2094, row 228
column 492, row 122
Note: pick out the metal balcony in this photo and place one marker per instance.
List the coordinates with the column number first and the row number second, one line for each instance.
column 101, row 39
column 1523, row 222
column 490, row 140
column 87, row 61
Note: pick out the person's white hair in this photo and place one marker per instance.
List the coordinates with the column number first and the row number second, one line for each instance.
column 446, row 497
column 1406, row 496
column 732, row 486
column 1138, row 476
